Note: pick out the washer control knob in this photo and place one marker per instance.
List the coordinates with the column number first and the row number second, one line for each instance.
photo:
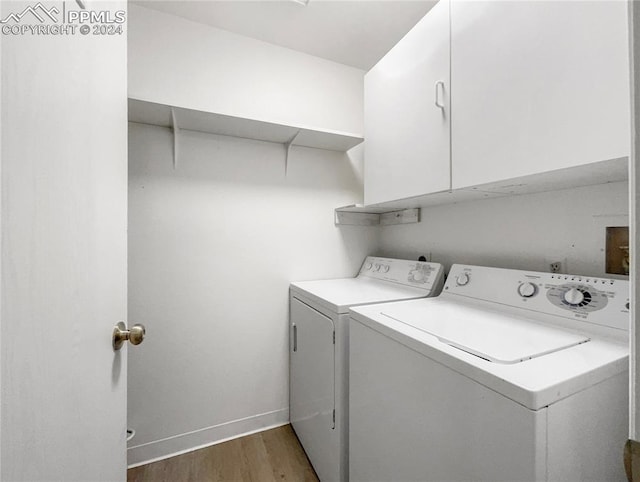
column 418, row 275
column 462, row 279
column 377, row 267
column 368, row 266
column 385, row 268
column 574, row 296
column 527, row 289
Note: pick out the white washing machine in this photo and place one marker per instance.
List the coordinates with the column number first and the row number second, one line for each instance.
column 506, row 376
column 319, row 313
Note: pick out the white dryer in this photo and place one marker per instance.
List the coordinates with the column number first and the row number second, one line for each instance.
column 506, row 376
column 319, row 313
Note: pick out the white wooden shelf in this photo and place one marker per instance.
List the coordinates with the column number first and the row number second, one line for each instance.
column 178, row 118
column 401, row 211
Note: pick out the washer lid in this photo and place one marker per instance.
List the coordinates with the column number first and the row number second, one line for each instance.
column 490, row 335
column 338, row 295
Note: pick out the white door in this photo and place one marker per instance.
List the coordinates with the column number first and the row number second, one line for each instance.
column 537, row 86
column 407, row 115
column 64, row 248
column 631, row 456
column 312, row 388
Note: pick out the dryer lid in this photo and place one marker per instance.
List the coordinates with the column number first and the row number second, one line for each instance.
column 491, row 335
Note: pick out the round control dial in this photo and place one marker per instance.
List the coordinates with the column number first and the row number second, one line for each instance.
column 527, row 289
column 385, row 268
column 579, row 297
column 462, row 279
column 575, row 297
column 368, row 266
column 420, row 274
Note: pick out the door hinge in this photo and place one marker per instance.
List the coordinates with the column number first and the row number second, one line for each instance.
column 334, row 418
column 334, row 337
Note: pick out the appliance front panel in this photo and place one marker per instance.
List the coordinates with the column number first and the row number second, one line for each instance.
column 312, row 388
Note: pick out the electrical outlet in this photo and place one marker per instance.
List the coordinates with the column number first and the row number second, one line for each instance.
column 555, row 264
column 555, row 267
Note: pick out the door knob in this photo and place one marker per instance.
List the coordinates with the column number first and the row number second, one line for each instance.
column 120, row 334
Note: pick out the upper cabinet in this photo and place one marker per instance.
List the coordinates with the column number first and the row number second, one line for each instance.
column 407, row 114
column 488, row 98
column 537, row 86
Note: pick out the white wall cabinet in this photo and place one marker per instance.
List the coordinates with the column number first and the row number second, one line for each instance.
column 537, row 86
column 407, row 106
column 538, row 97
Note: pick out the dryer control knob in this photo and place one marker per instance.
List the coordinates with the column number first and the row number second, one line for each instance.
column 385, row 268
column 574, row 296
column 417, row 275
column 527, row 290
column 377, row 267
column 368, row 266
column 462, row 279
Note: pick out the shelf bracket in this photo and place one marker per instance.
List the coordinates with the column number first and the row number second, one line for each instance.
column 342, row 218
column 404, row 216
column 176, row 131
column 287, row 146
column 362, row 216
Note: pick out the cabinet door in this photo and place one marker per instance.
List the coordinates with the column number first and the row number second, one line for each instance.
column 407, row 150
column 312, row 387
column 537, row 86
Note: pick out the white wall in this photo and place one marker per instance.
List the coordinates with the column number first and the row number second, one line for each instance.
column 519, row 232
column 186, row 64
column 213, row 246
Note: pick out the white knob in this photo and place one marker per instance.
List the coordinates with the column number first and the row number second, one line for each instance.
column 418, row 275
column 574, row 296
column 462, row 279
column 368, row 266
column 527, row 290
column 385, row 268
column 377, row 267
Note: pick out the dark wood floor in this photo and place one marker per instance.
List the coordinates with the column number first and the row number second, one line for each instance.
column 273, row 455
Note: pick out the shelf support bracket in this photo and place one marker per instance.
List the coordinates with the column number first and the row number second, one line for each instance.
column 287, row 146
column 176, row 131
column 361, row 216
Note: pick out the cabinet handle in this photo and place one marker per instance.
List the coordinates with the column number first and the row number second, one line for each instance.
column 295, row 337
column 437, row 101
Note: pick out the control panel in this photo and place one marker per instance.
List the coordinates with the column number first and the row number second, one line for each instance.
column 403, row 271
column 581, row 297
column 596, row 300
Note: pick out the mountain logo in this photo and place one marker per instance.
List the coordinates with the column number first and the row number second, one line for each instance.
column 39, row 11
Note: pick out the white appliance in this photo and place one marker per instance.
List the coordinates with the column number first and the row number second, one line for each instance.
column 319, row 313
column 506, row 376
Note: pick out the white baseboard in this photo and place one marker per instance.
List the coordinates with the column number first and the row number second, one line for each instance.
column 187, row 442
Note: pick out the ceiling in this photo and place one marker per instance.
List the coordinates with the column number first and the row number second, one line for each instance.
column 351, row 32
